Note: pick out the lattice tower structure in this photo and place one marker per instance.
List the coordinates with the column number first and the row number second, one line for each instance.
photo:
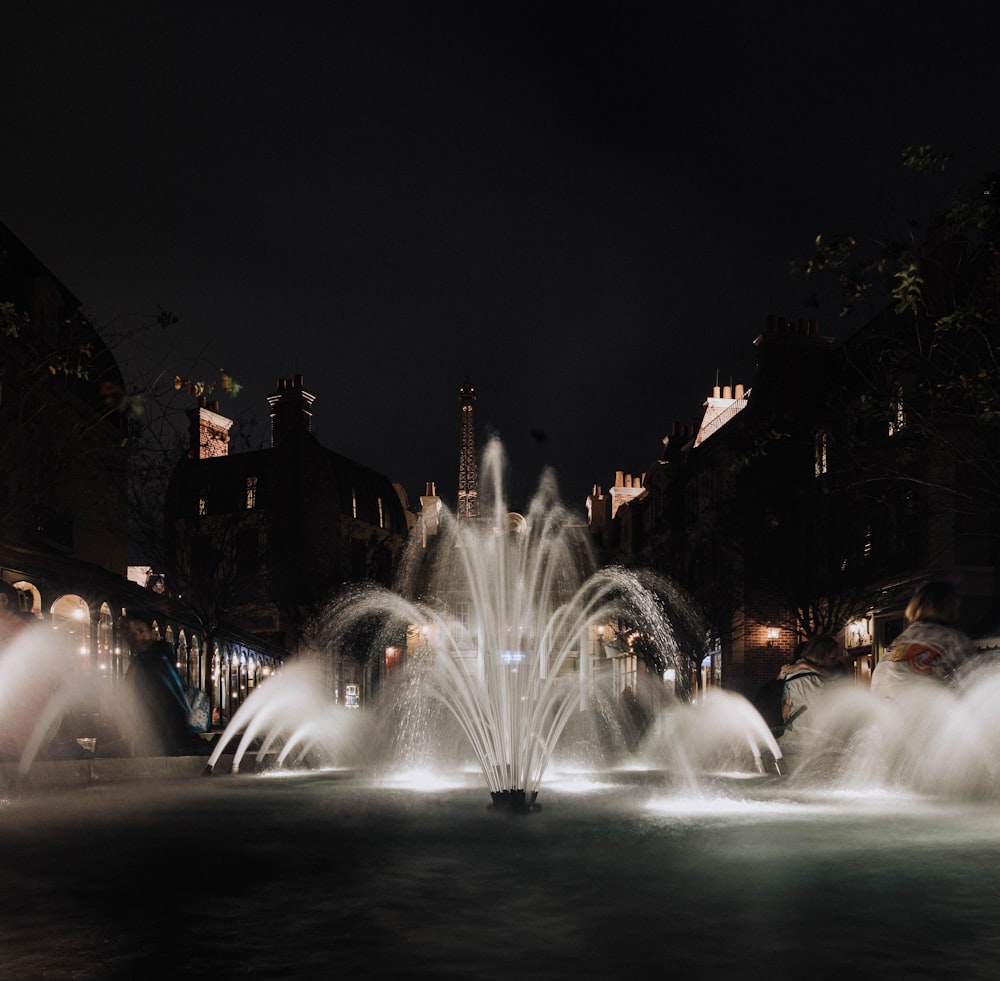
column 468, row 469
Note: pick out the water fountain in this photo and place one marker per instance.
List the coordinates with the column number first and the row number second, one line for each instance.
column 304, row 872
column 874, row 853
column 41, row 686
column 504, row 608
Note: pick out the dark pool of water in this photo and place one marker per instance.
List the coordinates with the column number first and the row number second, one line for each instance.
column 327, row 876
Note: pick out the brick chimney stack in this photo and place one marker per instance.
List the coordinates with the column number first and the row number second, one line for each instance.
column 291, row 409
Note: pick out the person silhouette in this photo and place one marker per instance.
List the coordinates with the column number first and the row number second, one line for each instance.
column 932, row 646
column 159, row 704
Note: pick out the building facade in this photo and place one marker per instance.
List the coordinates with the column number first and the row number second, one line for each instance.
column 809, row 503
column 64, row 536
column 267, row 538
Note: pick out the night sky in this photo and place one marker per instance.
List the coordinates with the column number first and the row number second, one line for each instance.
column 590, row 211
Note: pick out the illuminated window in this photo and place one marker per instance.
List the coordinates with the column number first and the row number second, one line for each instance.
column 182, row 655
column 821, row 454
column 251, row 493
column 71, row 616
column 897, row 417
column 105, row 633
column 393, row 660
column 381, row 514
column 354, row 503
column 29, row 596
column 194, row 672
column 203, row 502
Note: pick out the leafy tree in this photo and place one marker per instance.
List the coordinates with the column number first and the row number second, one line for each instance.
column 930, row 361
column 160, row 403
column 925, row 370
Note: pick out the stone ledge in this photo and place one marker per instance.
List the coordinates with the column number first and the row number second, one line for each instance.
column 65, row 774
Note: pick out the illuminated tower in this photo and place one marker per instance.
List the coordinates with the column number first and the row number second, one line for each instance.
column 468, row 471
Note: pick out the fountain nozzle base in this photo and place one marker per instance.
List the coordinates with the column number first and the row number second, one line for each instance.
column 515, row 801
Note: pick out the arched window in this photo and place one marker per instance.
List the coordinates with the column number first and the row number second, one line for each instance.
column 244, row 680
column 219, row 679
column 71, row 616
column 31, row 599
column 105, row 642
column 182, row 656
column 195, row 674
column 240, row 678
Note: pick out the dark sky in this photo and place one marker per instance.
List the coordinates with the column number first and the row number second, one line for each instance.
column 588, row 210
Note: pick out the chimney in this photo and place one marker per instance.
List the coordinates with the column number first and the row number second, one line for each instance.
column 430, row 513
column 208, row 431
column 291, row 409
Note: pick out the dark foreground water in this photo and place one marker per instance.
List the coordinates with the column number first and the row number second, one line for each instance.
column 328, row 877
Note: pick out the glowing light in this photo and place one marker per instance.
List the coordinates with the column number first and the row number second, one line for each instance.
column 858, row 633
column 422, row 780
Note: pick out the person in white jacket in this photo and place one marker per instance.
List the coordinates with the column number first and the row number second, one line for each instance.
column 930, row 649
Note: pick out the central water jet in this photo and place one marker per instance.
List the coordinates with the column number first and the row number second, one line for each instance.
column 499, row 611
